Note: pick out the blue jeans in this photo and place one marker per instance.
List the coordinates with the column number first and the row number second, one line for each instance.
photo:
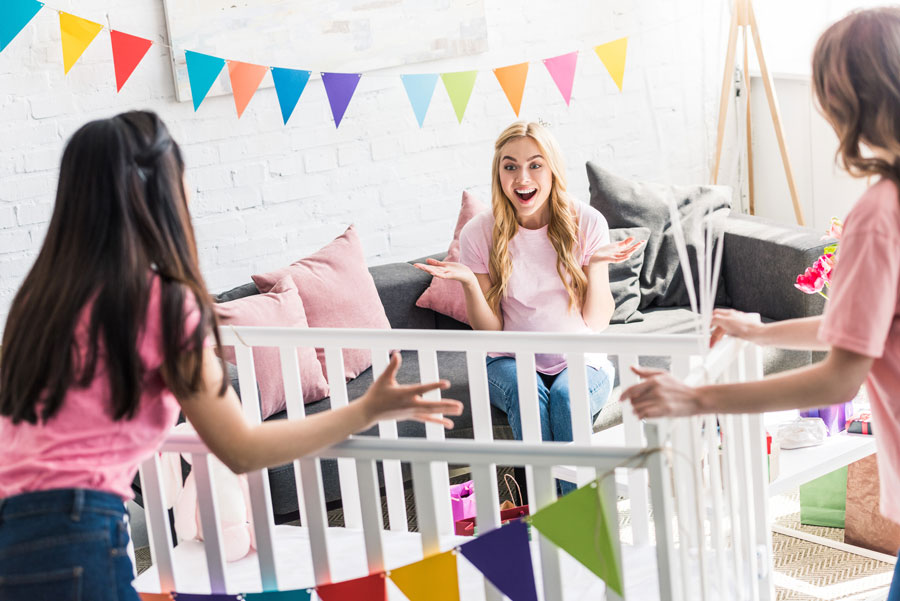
column 553, row 400
column 64, row 545
column 894, row 593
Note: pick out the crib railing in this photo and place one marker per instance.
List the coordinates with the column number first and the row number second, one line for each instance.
column 704, row 484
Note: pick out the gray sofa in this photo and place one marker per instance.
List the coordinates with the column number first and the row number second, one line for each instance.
column 761, row 260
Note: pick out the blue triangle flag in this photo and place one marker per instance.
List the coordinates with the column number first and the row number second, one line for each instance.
column 289, row 85
column 14, row 16
column 340, row 88
column 203, row 70
column 420, row 89
column 298, row 595
column 504, row 557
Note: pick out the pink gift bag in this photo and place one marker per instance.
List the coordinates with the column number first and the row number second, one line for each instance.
column 462, row 500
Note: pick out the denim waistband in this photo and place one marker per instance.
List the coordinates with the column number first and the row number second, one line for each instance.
column 73, row 501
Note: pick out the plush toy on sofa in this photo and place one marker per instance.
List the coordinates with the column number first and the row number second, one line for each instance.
column 232, row 501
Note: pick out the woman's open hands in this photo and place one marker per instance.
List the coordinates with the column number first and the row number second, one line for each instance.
column 616, row 252
column 448, row 270
column 386, row 399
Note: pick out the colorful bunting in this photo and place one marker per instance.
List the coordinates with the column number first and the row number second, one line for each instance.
column 289, row 85
column 300, row 595
column 432, row 579
column 512, row 80
column 371, row 588
column 14, row 16
column 459, row 87
column 613, row 56
column 214, row 597
column 420, row 89
column 562, row 70
column 203, row 70
column 577, row 523
column 245, row 80
column 77, row 35
column 155, row 596
column 504, row 557
column 340, row 88
column 128, row 51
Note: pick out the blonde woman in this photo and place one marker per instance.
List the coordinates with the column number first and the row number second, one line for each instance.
column 537, row 261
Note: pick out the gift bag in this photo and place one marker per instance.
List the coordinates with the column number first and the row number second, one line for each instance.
column 462, row 500
column 508, row 511
column 865, row 526
column 861, row 424
column 834, row 416
column 823, row 501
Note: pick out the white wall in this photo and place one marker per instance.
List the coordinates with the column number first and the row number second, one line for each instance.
column 265, row 194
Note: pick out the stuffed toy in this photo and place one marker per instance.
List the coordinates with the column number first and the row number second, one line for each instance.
column 232, row 501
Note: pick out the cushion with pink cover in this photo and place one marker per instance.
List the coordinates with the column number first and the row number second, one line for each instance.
column 279, row 306
column 446, row 296
column 338, row 292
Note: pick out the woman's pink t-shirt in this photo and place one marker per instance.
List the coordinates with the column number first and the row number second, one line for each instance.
column 536, row 299
column 862, row 315
column 81, row 446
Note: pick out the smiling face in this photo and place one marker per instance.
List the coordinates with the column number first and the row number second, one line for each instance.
column 526, row 180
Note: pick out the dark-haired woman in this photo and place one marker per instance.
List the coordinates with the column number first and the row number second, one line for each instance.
column 108, row 338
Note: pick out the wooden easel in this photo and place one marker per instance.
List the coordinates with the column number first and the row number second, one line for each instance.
column 743, row 16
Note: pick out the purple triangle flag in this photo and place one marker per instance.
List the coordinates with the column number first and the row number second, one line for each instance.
column 504, row 557
column 340, row 88
column 213, row 597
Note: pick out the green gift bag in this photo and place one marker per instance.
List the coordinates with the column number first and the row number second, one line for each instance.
column 823, row 501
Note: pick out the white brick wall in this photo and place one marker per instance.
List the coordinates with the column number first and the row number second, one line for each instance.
column 264, row 194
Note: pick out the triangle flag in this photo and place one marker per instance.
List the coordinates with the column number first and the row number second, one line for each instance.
column 289, row 85
column 432, row 579
column 245, row 80
column 577, row 523
column 512, row 80
column 128, row 51
column 214, row 597
column 203, row 70
column 14, row 16
column 155, row 596
column 371, row 588
column 420, row 89
column 340, row 88
column 298, row 595
column 459, row 87
column 77, row 35
column 503, row 555
column 613, row 56
column 562, row 70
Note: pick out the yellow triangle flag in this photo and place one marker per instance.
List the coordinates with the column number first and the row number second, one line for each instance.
column 77, row 35
column 512, row 80
column 432, row 579
column 613, row 56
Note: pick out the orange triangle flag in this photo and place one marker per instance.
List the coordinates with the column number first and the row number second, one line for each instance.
column 245, row 79
column 512, row 80
column 77, row 35
column 155, row 596
column 613, row 56
column 432, row 579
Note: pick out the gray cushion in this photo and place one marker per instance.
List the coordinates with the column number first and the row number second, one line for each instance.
column 624, row 278
column 399, row 286
column 625, row 203
column 237, row 292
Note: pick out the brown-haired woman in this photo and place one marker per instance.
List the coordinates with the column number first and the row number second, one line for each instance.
column 108, row 338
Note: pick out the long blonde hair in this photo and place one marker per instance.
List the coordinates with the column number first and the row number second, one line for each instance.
column 562, row 230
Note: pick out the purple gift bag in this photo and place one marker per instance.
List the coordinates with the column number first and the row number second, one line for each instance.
column 834, row 416
column 462, row 500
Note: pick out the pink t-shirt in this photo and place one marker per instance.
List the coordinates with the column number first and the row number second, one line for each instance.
column 536, row 299
column 863, row 316
column 81, row 446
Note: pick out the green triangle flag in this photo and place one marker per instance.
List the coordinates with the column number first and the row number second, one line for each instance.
column 578, row 524
column 459, row 87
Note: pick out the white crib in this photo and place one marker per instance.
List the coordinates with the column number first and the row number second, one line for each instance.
column 698, row 529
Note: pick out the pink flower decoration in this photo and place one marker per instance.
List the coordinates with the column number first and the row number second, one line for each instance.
column 836, row 229
column 811, row 281
column 825, row 266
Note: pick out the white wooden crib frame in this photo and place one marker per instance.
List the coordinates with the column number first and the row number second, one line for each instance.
column 710, row 517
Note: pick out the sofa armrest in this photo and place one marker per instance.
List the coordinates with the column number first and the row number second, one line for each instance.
column 399, row 286
column 761, row 260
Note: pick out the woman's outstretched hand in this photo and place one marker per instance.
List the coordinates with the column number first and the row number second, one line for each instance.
column 447, row 270
column 617, row 252
column 661, row 395
column 734, row 323
column 386, row 399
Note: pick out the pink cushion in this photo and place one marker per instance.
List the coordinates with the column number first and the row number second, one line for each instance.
column 280, row 306
column 338, row 292
column 446, row 296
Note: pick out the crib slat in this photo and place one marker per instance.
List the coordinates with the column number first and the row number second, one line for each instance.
column 487, row 508
column 711, row 439
column 209, row 522
column 263, row 521
column 334, row 362
column 748, row 517
column 426, row 510
column 637, row 478
column 373, row 525
column 318, row 524
column 661, row 493
column 735, row 506
column 685, row 500
column 580, row 411
column 393, row 475
column 295, row 410
column 607, row 489
column 700, row 505
column 247, row 377
column 544, row 487
column 158, row 529
column 440, row 474
column 479, row 396
column 529, row 412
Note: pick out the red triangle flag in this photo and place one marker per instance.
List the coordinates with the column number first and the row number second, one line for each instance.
column 128, row 51
column 371, row 588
